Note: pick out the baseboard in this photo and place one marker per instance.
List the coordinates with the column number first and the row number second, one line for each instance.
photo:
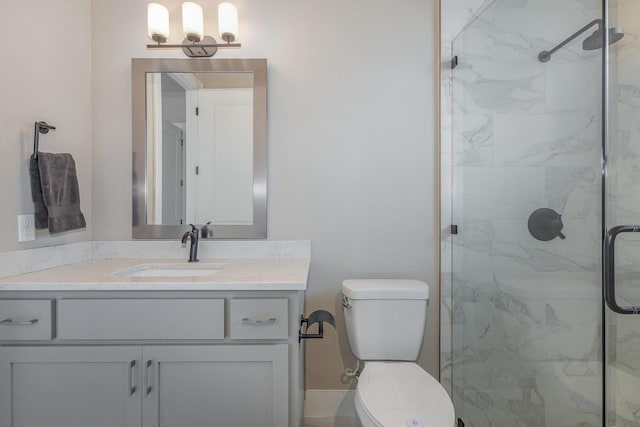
column 329, row 404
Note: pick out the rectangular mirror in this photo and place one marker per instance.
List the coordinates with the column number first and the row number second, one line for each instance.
column 199, row 147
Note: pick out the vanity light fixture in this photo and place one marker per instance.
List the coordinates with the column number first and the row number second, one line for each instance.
column 196, row 44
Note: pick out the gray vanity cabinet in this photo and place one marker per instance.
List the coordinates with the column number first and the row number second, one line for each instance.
column 149, row 386
column 215, row 386
column 68, row 387
column 150, row 360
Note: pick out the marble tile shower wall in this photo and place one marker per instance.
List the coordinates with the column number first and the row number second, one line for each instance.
column 525, row 348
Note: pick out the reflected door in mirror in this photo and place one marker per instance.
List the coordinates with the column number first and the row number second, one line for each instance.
column 199, row 149
column 220, row 157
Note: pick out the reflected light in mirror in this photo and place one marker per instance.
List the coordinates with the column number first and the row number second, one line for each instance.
column 192, row 21
column 157, row 22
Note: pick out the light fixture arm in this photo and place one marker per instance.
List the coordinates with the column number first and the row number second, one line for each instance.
column 204, row 48
column 178, row 46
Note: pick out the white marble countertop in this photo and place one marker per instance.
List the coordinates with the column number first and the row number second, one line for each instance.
column 97, row 274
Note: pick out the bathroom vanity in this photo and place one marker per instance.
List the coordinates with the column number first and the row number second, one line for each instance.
column 153, row 342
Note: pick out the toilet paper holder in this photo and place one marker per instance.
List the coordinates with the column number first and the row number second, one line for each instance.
column 319, row 317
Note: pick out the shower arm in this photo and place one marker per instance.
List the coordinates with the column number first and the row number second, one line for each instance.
column 545, row 55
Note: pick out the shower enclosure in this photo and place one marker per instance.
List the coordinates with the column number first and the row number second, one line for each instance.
column 543, row 166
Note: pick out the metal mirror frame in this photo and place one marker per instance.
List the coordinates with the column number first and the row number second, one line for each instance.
column 139, row 68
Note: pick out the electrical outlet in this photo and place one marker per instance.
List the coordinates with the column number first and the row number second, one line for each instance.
column 26, row 228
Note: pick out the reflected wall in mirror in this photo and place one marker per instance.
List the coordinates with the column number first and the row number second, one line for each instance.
column 199, row 147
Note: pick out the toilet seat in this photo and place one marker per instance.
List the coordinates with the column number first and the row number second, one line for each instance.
column 401, row 394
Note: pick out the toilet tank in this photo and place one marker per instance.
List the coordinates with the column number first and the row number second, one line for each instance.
column 385, row 318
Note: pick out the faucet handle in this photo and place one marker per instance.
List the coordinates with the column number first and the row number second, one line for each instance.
column 194, row 228
column 206, row 230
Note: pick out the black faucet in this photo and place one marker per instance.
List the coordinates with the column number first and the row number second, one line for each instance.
column 193, row 250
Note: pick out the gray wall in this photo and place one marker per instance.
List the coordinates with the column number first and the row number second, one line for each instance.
column 45, row 74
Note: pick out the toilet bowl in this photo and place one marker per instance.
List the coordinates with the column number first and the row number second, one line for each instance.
column 391, row 394
column 385, row 321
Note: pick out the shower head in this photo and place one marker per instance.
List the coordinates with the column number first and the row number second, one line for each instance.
column 594, row 41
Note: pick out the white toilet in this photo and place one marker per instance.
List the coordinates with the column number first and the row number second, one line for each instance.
column 385, row 322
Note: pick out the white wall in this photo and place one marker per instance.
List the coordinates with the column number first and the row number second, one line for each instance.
column 352, row 150
column 45, row 74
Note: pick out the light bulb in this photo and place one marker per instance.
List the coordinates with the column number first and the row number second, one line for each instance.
column 157, row 22
column 228, row 22
column 192, row 24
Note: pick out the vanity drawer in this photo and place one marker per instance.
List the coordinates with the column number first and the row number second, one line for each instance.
column 123, row 319
column 26, row 320
column 264, row 318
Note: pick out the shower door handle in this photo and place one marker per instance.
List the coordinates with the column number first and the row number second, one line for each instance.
column 610, row 268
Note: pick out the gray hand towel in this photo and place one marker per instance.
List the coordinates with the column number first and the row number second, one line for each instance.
column 41, row 214
column 55, row 192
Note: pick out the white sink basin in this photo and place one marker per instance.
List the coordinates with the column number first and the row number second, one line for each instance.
column 171, row 270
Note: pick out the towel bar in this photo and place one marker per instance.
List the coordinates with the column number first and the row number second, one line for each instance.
column 40, row 127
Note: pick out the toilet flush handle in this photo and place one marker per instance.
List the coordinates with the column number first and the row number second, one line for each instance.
column 346, row 303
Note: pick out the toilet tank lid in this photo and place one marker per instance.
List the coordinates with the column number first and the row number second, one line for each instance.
column 385, row 289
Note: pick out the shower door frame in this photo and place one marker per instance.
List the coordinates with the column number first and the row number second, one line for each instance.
column 608, row 234
column 603, row 199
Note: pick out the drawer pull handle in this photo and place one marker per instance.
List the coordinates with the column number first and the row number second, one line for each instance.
column 132, row 388
column 148, row 386
column 249, row 321
column 11, row 322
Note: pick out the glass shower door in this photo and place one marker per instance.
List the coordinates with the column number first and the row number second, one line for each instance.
column 622, row 244
column 527, row 201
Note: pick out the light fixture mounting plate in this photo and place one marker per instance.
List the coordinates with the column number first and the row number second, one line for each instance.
column 201, row 49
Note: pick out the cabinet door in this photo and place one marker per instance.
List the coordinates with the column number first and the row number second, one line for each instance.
column 216, row 386
column 70, row 387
